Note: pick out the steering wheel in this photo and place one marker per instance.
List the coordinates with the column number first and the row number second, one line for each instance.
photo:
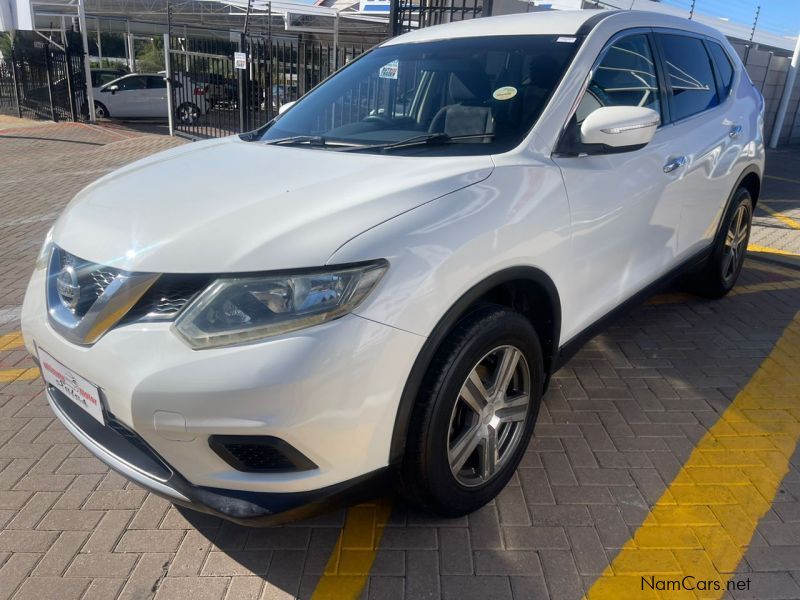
column 378, row 119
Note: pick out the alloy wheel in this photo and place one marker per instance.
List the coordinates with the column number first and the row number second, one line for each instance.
column 736, row 242
column 188, row 114
column 488, row 419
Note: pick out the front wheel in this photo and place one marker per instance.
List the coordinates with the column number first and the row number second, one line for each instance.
column 475, row 413
column 719, row 275
column 100, row 111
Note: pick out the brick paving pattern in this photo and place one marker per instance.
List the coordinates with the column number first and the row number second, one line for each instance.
column 615, row 428
column 780, row 195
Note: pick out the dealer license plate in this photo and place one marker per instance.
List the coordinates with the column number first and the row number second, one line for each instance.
column 73, row 386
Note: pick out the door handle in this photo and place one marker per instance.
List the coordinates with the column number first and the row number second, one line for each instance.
column 735, row 131
column 675, row 163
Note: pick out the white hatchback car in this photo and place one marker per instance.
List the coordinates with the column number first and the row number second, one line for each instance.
column 381, row 281
column 140, row 95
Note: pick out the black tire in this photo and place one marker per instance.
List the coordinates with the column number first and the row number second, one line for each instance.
column 188, row 113
column 428, row 482
column 719, row 274
column 100, row 110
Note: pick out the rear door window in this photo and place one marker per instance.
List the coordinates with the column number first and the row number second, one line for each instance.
column 156, row 83
column 690, row 76
column 132, row 83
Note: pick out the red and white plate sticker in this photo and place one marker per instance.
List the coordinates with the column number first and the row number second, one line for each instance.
column 72, row 385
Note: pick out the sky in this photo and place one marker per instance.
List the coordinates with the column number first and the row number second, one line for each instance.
column 777, row 16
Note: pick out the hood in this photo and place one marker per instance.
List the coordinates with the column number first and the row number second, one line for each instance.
column 233, row 206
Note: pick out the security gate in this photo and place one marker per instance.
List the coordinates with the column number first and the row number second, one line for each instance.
column 212, row 97
column 43, row 79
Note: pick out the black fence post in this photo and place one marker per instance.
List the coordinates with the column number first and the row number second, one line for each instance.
column 394, row 13
column 242, row 73
column 70, row 89
column 488, row 5
column 15, row 79
column 48, row 63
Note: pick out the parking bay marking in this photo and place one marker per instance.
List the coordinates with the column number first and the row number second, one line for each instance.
column 703, row 523
column 9, row 375
column 788, row 221
column 10, row 341
column 351, row 559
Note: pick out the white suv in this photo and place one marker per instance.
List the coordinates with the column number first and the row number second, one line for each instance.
column 381, row 281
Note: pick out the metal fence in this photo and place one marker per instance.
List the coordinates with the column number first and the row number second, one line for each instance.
column 213, row 98
column 43, row 79
column 407, row 15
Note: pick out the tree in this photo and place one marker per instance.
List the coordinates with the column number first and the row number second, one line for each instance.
column 151, row 57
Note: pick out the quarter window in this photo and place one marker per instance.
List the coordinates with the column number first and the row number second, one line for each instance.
column 724, row 68
column 690, row 75
column 626, row 76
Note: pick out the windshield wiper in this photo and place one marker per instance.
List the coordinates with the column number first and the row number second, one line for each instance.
column 311, row 140
column 420, row 140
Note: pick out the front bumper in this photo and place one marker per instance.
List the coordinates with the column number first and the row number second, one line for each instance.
column 330, row 391
column 126, row 453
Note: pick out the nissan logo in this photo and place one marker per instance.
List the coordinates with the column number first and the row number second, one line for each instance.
column 67, row 287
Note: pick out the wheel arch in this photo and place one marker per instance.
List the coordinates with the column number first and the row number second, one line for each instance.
column 750, row 179
column 526, row 289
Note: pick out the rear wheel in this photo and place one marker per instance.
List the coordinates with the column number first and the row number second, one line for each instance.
column 475, row 413
column 188, row 113
column 719, row 275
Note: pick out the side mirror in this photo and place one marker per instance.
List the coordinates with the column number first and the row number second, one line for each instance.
column 612, row 129
column 112, row 88
column 284, row 107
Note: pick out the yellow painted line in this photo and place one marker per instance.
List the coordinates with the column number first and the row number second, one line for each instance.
column 768, row 250
column 781, row 178
column 703, row 523
column 9, row 375
column 351, row 560
column 10, row 341
column 788, row 221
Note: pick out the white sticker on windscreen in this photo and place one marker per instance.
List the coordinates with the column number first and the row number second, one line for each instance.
column 566, row 39
column 389, row 70
column 506, row 92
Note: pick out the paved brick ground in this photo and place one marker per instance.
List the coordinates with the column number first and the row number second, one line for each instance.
column 779, row 195
column 615, row 428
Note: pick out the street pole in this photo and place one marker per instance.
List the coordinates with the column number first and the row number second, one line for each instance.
column 786, row 96
column 170, row 89
column 99, row 43
column 87, row 64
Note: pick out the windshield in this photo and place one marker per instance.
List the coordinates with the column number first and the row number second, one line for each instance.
column 468, row 95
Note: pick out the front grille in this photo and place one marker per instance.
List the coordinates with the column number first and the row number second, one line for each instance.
column 162, row 302
column 93, row 280
column 260, row 454
column 102, row 279
column 168, row 297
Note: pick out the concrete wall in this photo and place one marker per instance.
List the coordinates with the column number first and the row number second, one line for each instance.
column 768, row 73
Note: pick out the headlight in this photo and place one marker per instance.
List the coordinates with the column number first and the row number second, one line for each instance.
column 245, row 309
column 44, row 254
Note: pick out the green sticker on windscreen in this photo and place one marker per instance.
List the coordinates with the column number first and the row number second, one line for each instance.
column 505, row 93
